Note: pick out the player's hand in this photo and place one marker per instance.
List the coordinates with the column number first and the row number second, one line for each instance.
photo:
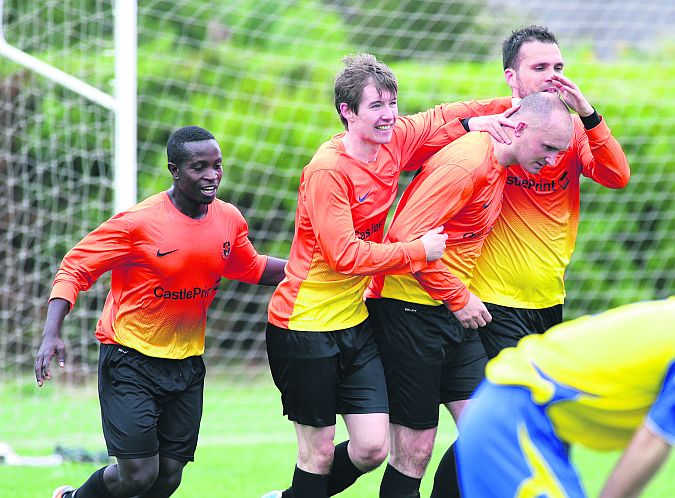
column 474, row 314
column 494, row 124
column 51, row 346
column 434, row 243
column 571, row 95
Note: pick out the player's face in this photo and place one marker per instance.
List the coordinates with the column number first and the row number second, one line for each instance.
column 539, row 147
column 537, row 63
column 374, row 122
column 196, row 180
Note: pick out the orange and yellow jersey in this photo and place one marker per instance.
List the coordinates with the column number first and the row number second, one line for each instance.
column 340, row 217
column 523, row 261
column 165, row 269
column 460, row 187
column 600, row 377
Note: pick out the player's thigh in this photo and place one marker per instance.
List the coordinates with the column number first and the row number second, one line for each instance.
column 464, row 366
column 410, row 339
column 507, row 437
column 305, row 369
column 181, row 407
column 361, row 386
column 129, row 408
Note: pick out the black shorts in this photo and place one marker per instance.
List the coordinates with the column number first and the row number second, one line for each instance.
column 428, row 359
column 321, row 374
column 509, row 325
column 149, row 405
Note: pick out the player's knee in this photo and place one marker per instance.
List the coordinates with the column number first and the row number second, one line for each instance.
column 420, row 454
column 138, row 482
column 317, row 458
column 370, row 454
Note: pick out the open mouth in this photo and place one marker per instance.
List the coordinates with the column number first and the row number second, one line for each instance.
column 383, row 127
column 210, row 190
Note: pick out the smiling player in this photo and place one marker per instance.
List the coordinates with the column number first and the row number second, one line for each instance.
column 167, row 256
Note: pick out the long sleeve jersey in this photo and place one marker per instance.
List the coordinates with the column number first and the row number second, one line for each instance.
column 342, row 209
column 460, row 188
column 165, row 267
column 523, row 261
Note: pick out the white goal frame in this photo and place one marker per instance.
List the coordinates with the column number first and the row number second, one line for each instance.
column 122, row 103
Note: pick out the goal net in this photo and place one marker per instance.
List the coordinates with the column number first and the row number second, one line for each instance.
column 258, row 74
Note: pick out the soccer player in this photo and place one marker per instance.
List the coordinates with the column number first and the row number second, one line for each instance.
column 429, row 356
column 167, row 256
column 605, row 381
column 520, row 272
column 322, row 355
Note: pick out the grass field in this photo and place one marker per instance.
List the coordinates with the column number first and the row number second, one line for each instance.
column 246, row 447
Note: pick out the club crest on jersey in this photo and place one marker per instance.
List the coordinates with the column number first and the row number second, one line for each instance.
column 226, row 249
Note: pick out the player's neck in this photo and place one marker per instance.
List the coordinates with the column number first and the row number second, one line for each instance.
column 503, row 153
column 189, row 208
column 366, row 152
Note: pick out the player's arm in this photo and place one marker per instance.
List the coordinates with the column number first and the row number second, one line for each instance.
column 327, row 200
column 52, row 344
column 101, row 250
column 274, row 271
column 435, row 201
column 244, row 262
column 649, row 446
column 425, row 133
column 644, row 455
column 602, row 157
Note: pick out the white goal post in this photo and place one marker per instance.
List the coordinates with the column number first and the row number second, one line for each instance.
column 122, row 103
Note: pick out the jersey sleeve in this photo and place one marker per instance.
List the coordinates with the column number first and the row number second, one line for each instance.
column 441, row 195
column 328, row 209
column 602, row 157
column 98, row 252
column 449, row 117
column 661, row 417
column 245, row 264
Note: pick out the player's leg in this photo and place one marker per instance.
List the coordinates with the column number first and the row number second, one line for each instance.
column 129, row 416
column 181, row 403
column 410, row 339
column 362, row 401
column 304, row 367
column 464, row 371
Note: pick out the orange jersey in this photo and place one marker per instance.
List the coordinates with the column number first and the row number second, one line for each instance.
column 460, row 187
column 523, row 261
column 166, row 268
column 342, row 209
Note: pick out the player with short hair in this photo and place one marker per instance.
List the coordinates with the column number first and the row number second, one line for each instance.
column 322, row 355
column 605, row 381
column 520, row 272
column 167, row 256
column 420, row 320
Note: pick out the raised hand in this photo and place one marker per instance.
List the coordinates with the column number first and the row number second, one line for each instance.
column 571, row 95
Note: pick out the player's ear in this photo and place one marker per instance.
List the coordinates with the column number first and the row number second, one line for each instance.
column 520, row 128
column 510, row 77
column 173, row 169
column 346, row 112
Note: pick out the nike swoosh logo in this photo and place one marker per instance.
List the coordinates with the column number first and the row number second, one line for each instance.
column 486, row 205
column 160, row 253
column 363, row 197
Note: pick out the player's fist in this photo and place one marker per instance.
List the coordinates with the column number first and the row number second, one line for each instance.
column 474, row 314
column 434, row 243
